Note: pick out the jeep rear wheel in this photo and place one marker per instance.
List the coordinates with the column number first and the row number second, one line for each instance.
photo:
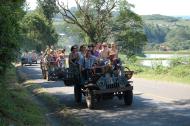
column 128, row 97
column 78, row 93
column 90, row 99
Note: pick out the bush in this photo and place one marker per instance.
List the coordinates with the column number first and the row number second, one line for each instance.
column 160, row 69
column 176, row 61
column 134, row 64
column 180, row 71
column 180, row 61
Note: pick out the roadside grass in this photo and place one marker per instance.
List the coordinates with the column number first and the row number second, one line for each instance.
column 180, row 73
column 163, row 77
column 16, row 105
column 41, row 93
column 53, row 104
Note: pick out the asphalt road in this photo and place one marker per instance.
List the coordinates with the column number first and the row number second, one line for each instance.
column 155, row 103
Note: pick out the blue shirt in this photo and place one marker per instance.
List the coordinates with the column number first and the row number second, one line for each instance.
column 81, row 59
column 89, row 62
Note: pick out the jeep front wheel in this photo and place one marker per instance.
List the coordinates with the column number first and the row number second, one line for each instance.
column 128, row 97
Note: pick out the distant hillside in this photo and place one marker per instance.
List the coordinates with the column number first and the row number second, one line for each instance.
column 171, row 32
column 159, row 17
column 183, row 17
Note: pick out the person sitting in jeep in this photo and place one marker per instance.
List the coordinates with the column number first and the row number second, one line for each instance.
column 61, row 58
column 88, row 64
column 50, row 60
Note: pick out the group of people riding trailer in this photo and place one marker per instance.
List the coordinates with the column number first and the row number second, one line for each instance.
column 51, row 62
column 95, row 71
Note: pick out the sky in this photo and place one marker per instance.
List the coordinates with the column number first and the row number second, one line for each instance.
column 147, row 7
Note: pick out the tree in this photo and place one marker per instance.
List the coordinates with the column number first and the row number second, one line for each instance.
column 128, row 29
column 48, row 8
column 91, row 16
column 10, row 15
column 38, row 29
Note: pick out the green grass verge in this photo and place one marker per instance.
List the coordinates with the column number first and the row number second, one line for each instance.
column 180, row 73
column 163, row 77
column 53, row 104
column 16, row 105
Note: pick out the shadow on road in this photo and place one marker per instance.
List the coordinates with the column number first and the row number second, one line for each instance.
column 143, row 112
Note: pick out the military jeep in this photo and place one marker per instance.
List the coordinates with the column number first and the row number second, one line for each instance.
column 101, row 85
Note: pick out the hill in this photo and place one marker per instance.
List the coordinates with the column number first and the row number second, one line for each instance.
column 166, row 31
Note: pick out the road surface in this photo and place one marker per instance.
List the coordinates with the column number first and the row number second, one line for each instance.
column 155, row 103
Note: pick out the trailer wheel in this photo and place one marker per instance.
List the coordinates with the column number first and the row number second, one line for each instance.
column 128, row 97
column 89, row 99
column 78, row 93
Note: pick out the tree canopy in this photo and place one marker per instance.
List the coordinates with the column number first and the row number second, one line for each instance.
column 91, row 16
column 48, row 8
column 128, row 29
column 38, row 29
column 38, row 26
column 10, row 14
column 102, row 20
